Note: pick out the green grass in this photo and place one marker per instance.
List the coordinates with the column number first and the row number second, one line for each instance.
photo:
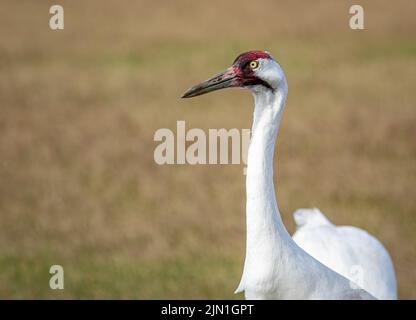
column 28, row 278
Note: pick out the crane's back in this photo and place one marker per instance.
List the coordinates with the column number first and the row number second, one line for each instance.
column 350, row 251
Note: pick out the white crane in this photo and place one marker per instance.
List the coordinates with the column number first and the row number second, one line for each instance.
column 321, row 261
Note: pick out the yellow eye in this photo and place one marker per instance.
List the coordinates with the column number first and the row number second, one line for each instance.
column 254, row 64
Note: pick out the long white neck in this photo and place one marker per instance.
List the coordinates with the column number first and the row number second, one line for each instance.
column 275, row 267
column 267, row 238
column 264, row 224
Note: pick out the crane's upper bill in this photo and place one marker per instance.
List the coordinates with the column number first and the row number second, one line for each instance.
column 226, row 79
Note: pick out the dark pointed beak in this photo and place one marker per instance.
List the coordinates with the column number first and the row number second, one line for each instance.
column 228, row 78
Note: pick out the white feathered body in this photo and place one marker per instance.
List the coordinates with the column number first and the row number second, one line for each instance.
column 350, row 251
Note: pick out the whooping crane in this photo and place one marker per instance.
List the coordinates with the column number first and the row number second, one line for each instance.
column 318, row 262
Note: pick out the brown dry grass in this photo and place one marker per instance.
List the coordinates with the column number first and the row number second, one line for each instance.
column 79, row 107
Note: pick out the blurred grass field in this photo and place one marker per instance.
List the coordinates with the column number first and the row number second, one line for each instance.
column 79, row 108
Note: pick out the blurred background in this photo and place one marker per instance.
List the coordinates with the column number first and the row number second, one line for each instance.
column 79, row 108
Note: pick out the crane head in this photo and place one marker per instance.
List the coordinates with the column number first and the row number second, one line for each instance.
column 251, row 69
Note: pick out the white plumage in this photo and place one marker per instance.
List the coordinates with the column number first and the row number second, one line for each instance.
column 350, row 251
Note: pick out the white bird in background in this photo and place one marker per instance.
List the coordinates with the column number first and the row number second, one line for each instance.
column 321, row 261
